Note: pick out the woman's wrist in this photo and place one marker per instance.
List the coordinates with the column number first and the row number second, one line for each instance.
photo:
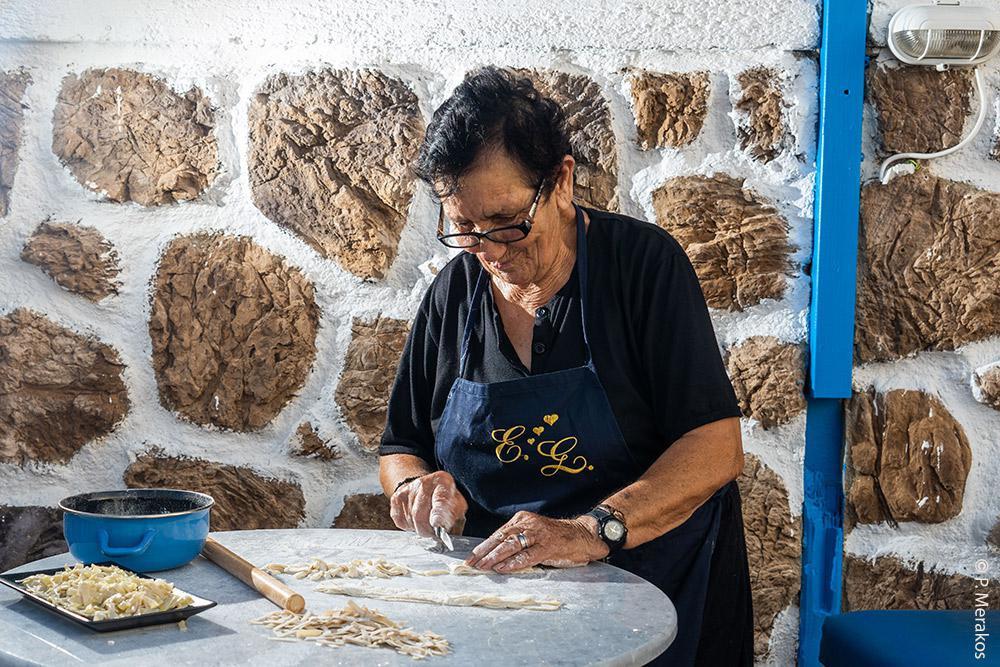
column 407, row 480
column 597, row 549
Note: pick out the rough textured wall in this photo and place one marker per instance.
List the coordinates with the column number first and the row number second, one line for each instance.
column 211, row 248
column 233, row 329
column 12, row 87
column 77, row 258
column 58, row 389
column 737, row 243
column 128, row 136
column 330, row 157
column 909, row 458
column 928, row 266
column 922, row 454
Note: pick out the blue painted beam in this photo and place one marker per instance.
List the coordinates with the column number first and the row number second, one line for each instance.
column 822, row 524
column 838, row 175
column 831, row 313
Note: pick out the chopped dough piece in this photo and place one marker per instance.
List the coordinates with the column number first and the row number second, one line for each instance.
column 465, row 599
column 318, row 569
column 102, row 592
column 355, row 625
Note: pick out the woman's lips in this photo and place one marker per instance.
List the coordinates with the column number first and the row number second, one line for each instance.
column 503, row 264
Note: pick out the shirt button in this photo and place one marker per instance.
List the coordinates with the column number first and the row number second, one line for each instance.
column 539, row 348
column 542, row 313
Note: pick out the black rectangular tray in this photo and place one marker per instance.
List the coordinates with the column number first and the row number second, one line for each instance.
column 198, row 605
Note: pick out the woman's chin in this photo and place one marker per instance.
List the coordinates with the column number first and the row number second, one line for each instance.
column 512, row 276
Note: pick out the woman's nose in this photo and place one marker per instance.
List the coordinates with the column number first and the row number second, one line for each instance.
column 490, row 250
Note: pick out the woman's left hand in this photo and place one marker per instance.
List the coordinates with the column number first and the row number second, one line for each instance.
column 553, row 542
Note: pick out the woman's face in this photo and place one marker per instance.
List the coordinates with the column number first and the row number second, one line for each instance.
column 496, row 193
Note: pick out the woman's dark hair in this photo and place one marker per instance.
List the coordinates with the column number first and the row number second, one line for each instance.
column 493, row 109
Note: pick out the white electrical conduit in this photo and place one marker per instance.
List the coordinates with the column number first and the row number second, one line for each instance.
column 882, row 172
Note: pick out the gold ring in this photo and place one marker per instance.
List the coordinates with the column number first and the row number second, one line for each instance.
column 522, row 538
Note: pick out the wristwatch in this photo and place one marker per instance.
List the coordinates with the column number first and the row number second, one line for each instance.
column 610, row 526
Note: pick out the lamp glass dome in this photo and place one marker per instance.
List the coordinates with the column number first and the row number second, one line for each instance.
column 944, row 34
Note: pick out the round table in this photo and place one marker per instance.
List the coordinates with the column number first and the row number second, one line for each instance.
column 609, row 617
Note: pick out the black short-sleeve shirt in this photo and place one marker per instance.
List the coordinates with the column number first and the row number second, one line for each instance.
column 650, row 335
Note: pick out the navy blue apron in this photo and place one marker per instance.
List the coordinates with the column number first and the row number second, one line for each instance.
column 550, row 444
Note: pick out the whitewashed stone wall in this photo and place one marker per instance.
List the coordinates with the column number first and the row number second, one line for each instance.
column 160, row 188
column 922, row 456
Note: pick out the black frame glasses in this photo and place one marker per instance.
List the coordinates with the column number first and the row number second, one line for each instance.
column 505, row 234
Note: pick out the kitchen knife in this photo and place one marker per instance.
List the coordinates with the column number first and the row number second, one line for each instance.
column 445, row 538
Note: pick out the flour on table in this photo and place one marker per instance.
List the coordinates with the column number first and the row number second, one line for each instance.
column 467, row 570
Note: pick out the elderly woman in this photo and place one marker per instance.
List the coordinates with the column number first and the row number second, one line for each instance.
column 561, row 393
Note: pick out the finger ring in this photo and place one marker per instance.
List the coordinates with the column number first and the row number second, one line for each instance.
column 523, row 540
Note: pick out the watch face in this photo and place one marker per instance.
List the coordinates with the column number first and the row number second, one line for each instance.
column 614, row 530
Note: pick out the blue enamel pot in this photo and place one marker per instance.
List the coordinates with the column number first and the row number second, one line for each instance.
column 145, row 530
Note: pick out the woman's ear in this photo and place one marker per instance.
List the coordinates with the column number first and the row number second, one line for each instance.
column 563, row 192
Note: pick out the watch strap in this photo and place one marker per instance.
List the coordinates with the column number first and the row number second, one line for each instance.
column 603, row 514
column 612, row 511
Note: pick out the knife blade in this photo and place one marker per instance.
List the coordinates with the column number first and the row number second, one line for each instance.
column 445, row 538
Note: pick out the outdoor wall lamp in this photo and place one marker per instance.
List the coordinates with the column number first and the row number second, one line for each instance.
column 944, row 35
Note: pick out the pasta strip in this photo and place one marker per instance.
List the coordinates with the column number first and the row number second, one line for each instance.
column 464, row 599
column 318, row 569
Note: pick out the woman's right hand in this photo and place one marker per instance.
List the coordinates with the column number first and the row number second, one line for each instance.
column 427, row 502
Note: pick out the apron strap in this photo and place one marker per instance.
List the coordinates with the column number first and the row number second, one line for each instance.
column 581, row 267
column 470, row 321
column 483, row 281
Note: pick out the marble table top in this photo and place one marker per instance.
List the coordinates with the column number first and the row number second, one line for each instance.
column 609, row 617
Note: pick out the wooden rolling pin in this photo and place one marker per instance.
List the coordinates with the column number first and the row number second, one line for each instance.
column 254, row 577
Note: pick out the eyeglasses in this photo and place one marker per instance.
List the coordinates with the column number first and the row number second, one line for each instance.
column 506, row 234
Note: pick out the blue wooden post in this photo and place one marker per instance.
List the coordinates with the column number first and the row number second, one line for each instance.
column 831, row 316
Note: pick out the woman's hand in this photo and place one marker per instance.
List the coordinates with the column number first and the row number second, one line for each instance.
column 428, row 502
column 553, row 542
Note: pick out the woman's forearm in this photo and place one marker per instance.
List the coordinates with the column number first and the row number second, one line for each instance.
column 686, row 475
column 394, row 468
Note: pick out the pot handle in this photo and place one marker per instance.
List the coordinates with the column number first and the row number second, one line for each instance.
column 108, row 550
